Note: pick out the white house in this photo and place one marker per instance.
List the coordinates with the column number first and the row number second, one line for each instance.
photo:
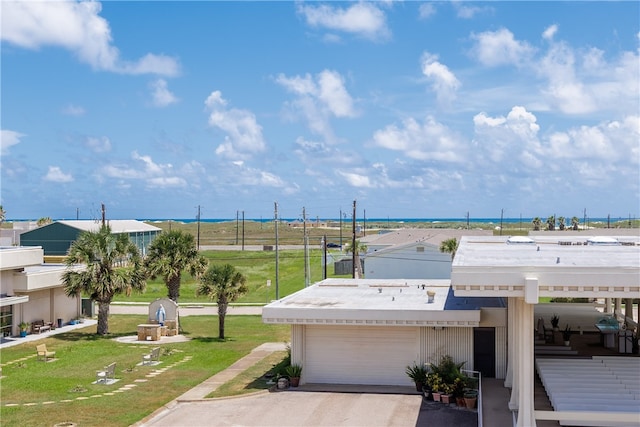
column 525, row 269
column 31, row 290
column 411, row 253
column 364, row 331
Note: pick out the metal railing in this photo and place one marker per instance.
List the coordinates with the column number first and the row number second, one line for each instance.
column 478, row 376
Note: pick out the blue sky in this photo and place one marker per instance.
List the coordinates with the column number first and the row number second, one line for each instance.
column 414, row 109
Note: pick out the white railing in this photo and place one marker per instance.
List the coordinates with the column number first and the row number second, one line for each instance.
column 478, row 376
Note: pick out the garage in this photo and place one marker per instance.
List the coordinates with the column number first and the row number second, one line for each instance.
column 343, row 354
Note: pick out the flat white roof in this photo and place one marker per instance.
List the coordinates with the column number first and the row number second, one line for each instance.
column 371, row 302
column 557, row 251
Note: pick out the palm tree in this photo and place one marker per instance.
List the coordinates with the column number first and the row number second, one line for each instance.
column 551, row 223
column 3, row 215
column 113, row 266
column 449, row 246
column 561, row 223
column 537, row 222
column 45, row 220
column 223, row 284
column 574, row 222
column 359, row 248
column 169, row 255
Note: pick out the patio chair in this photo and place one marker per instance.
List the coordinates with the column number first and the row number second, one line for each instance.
column 153, row 356
column 106, row 374
column 43, row 354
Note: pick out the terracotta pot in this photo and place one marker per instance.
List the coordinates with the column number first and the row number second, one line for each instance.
column 419, row 386
column 436, row 396
column 460, row 402
column 446, row 398
column 294, row 381
column 470, row 402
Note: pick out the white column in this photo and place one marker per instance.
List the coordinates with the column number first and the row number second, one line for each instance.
column 515, row 356
column 607, row 305
column 617, row 303
column 526, row 414
column 508, row 380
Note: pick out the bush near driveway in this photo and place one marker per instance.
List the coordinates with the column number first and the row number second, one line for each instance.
column 40, row 389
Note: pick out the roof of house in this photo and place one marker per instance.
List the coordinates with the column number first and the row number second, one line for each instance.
column 434, row 236
column 373, row 302
column 117, row 225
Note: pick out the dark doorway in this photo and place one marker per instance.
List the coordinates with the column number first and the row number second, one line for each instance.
column 484, row 351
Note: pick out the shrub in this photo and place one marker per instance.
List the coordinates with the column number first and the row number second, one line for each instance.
column 418, row 373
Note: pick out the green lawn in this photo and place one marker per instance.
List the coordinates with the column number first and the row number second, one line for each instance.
column 39, row 390
column 257, row 266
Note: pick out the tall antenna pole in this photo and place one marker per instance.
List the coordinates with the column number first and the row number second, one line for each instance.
column 306, row 248
column 198, row 227
column 276, row 223
column 353, row 242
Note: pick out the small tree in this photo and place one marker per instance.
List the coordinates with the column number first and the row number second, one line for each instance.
column 449, row 246
column 551, row 223
column 112, row 266
column 561, row 223
column 537, row 222
column 45, row 220
column 3, row 215
column 223, row 284
column 359, row 248
column 168, row 255
column 574, row 222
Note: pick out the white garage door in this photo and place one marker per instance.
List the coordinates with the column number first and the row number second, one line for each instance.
column 359, row 355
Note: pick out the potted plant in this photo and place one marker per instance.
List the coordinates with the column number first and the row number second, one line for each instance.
column 470, row 398
column 434, row 381
column 447, row 394
column 459, row 385
column 294, row 371
column 418, row 373
column 566, row 335
column 24, row 328
column 555, row 321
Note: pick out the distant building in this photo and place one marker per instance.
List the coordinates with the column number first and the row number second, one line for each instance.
column 31, row 290
column 56, row 238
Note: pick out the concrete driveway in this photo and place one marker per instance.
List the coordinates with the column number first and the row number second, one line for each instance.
column 295, row 408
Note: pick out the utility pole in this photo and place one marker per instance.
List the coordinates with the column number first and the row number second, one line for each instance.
column 306, row 248
column 77, row 213
column 243, row 230
column 324, row 250
column 104, row 214
column 365, row 222
column 501, row 215
column 467, row 220
column 340, row 229
column 276, row 224
column 198, row 242
column 353, row 242
column 237, row 213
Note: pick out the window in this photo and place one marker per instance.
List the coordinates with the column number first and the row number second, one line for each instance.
column 6, row 320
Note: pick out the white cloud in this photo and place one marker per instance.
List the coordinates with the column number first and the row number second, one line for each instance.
column 243, row 136
column 364, row 19
column 318, row 99
column 495, row 48
column 463, row 10
column 503, row 139
column 153, row 174
column 426, row 10
column 161, row 94
column 430, row 140
column 55, row 174
column 77, row 27
column 98, row 144
column 9, row 138
column 443, row 82
column 550, row 32
column 73, row 110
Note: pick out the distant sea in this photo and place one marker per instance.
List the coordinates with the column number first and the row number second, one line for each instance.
column 388, row 220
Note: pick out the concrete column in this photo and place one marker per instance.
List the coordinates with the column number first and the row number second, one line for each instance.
column 515, row 349
column 607, row 305
column 628, row 308
column 526, row 415
column 617, row 303
column 508, row 380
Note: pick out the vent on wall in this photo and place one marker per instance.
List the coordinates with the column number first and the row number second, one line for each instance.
column 419, row 248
